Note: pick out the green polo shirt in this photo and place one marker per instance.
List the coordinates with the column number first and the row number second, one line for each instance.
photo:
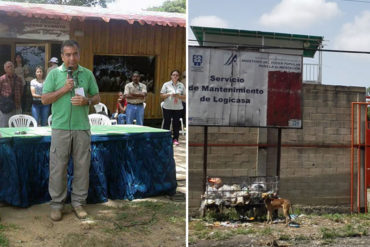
column 65, row 115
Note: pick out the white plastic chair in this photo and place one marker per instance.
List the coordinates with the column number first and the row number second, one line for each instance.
column 22, row 120
column 101, row 107
column 49, row 120
column 99, row 119
column 182, row 131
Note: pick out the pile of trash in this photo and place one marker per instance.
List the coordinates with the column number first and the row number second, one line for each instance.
column 243, row 194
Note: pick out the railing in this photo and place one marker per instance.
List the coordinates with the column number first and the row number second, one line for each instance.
column 311, row 73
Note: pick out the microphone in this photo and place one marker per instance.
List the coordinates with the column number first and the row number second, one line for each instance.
column 70, row 75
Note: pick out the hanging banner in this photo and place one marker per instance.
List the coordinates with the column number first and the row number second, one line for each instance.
column 33, row 28
column 240, row 88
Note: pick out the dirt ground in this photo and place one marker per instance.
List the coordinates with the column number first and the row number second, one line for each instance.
column 158, row 221
column 310, row 230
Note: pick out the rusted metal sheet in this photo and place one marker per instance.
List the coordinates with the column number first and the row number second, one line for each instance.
column 67, row 13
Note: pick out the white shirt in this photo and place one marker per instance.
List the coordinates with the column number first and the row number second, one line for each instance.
column 38, row 88
column 172, row 103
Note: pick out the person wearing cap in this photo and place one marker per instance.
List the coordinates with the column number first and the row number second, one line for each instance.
column 53, row 63
column 71, row 89
column 135, row 93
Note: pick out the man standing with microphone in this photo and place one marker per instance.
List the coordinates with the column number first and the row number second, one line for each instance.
column 71, row 89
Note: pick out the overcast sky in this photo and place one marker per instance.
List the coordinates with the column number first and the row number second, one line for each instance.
column 344, row 24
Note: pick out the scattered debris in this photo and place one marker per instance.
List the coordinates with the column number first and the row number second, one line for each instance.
column 293, row 224
column 278, row 221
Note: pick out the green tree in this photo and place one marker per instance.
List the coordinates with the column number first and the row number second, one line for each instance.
column 87, row 3
column 177, row 6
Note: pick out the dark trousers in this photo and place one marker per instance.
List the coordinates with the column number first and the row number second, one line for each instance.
column 175, row 115
column 183, row 115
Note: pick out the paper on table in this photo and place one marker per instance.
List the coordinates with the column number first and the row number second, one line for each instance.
column 40, row 131
column 80, row 91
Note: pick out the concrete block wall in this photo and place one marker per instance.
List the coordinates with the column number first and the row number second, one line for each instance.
column 315, row 160
column 236, row 156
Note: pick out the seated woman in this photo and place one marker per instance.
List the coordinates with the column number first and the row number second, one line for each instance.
column 120, row 109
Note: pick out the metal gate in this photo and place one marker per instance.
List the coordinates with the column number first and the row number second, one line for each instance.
column 360, row 155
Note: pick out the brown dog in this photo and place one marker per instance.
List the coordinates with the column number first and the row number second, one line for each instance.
column 276, row 203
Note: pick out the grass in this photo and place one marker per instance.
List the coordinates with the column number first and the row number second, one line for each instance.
column 244, row 231
column 202, row 234
column 199, row 231
column 266, row 231
column 227, row 214
column 362, row 216
column 140, row 219
column 327, row 233
column 160, row 222
column 191, row 240
column 9, row 227
column 284, row 237
column 333, row 226
column 199, row 226
column 327, row 241
column 122, row 216
column 343, row 218
column 155, row 206
column 343, row 232
column 339, row 218
column 220, row 235
column 353, row 231
column 364, row 219
column 297, row 211
column 302, row 238
column 71, row 239
column 3, row 240
column 176, row 219
column 143, row 217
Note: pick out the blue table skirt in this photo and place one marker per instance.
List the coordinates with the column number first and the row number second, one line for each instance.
column 125, row 166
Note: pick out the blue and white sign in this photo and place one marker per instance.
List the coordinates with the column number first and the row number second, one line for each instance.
column 231, row 88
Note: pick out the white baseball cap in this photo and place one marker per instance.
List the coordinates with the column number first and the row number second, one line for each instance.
column 53, row 60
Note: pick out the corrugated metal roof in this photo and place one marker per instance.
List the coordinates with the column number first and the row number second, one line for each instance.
column 314, row 41
column 69, row 13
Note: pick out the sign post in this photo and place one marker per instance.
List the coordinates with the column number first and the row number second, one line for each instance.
column 229, row 87
column 242, row 88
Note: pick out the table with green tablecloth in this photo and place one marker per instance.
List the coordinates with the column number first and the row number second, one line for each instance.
column 127, row 162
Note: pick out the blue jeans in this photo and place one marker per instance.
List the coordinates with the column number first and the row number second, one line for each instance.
column 135, row 112
column 41, row 113
column 121, row 119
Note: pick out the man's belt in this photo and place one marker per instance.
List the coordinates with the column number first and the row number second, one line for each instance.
column 135, row 103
